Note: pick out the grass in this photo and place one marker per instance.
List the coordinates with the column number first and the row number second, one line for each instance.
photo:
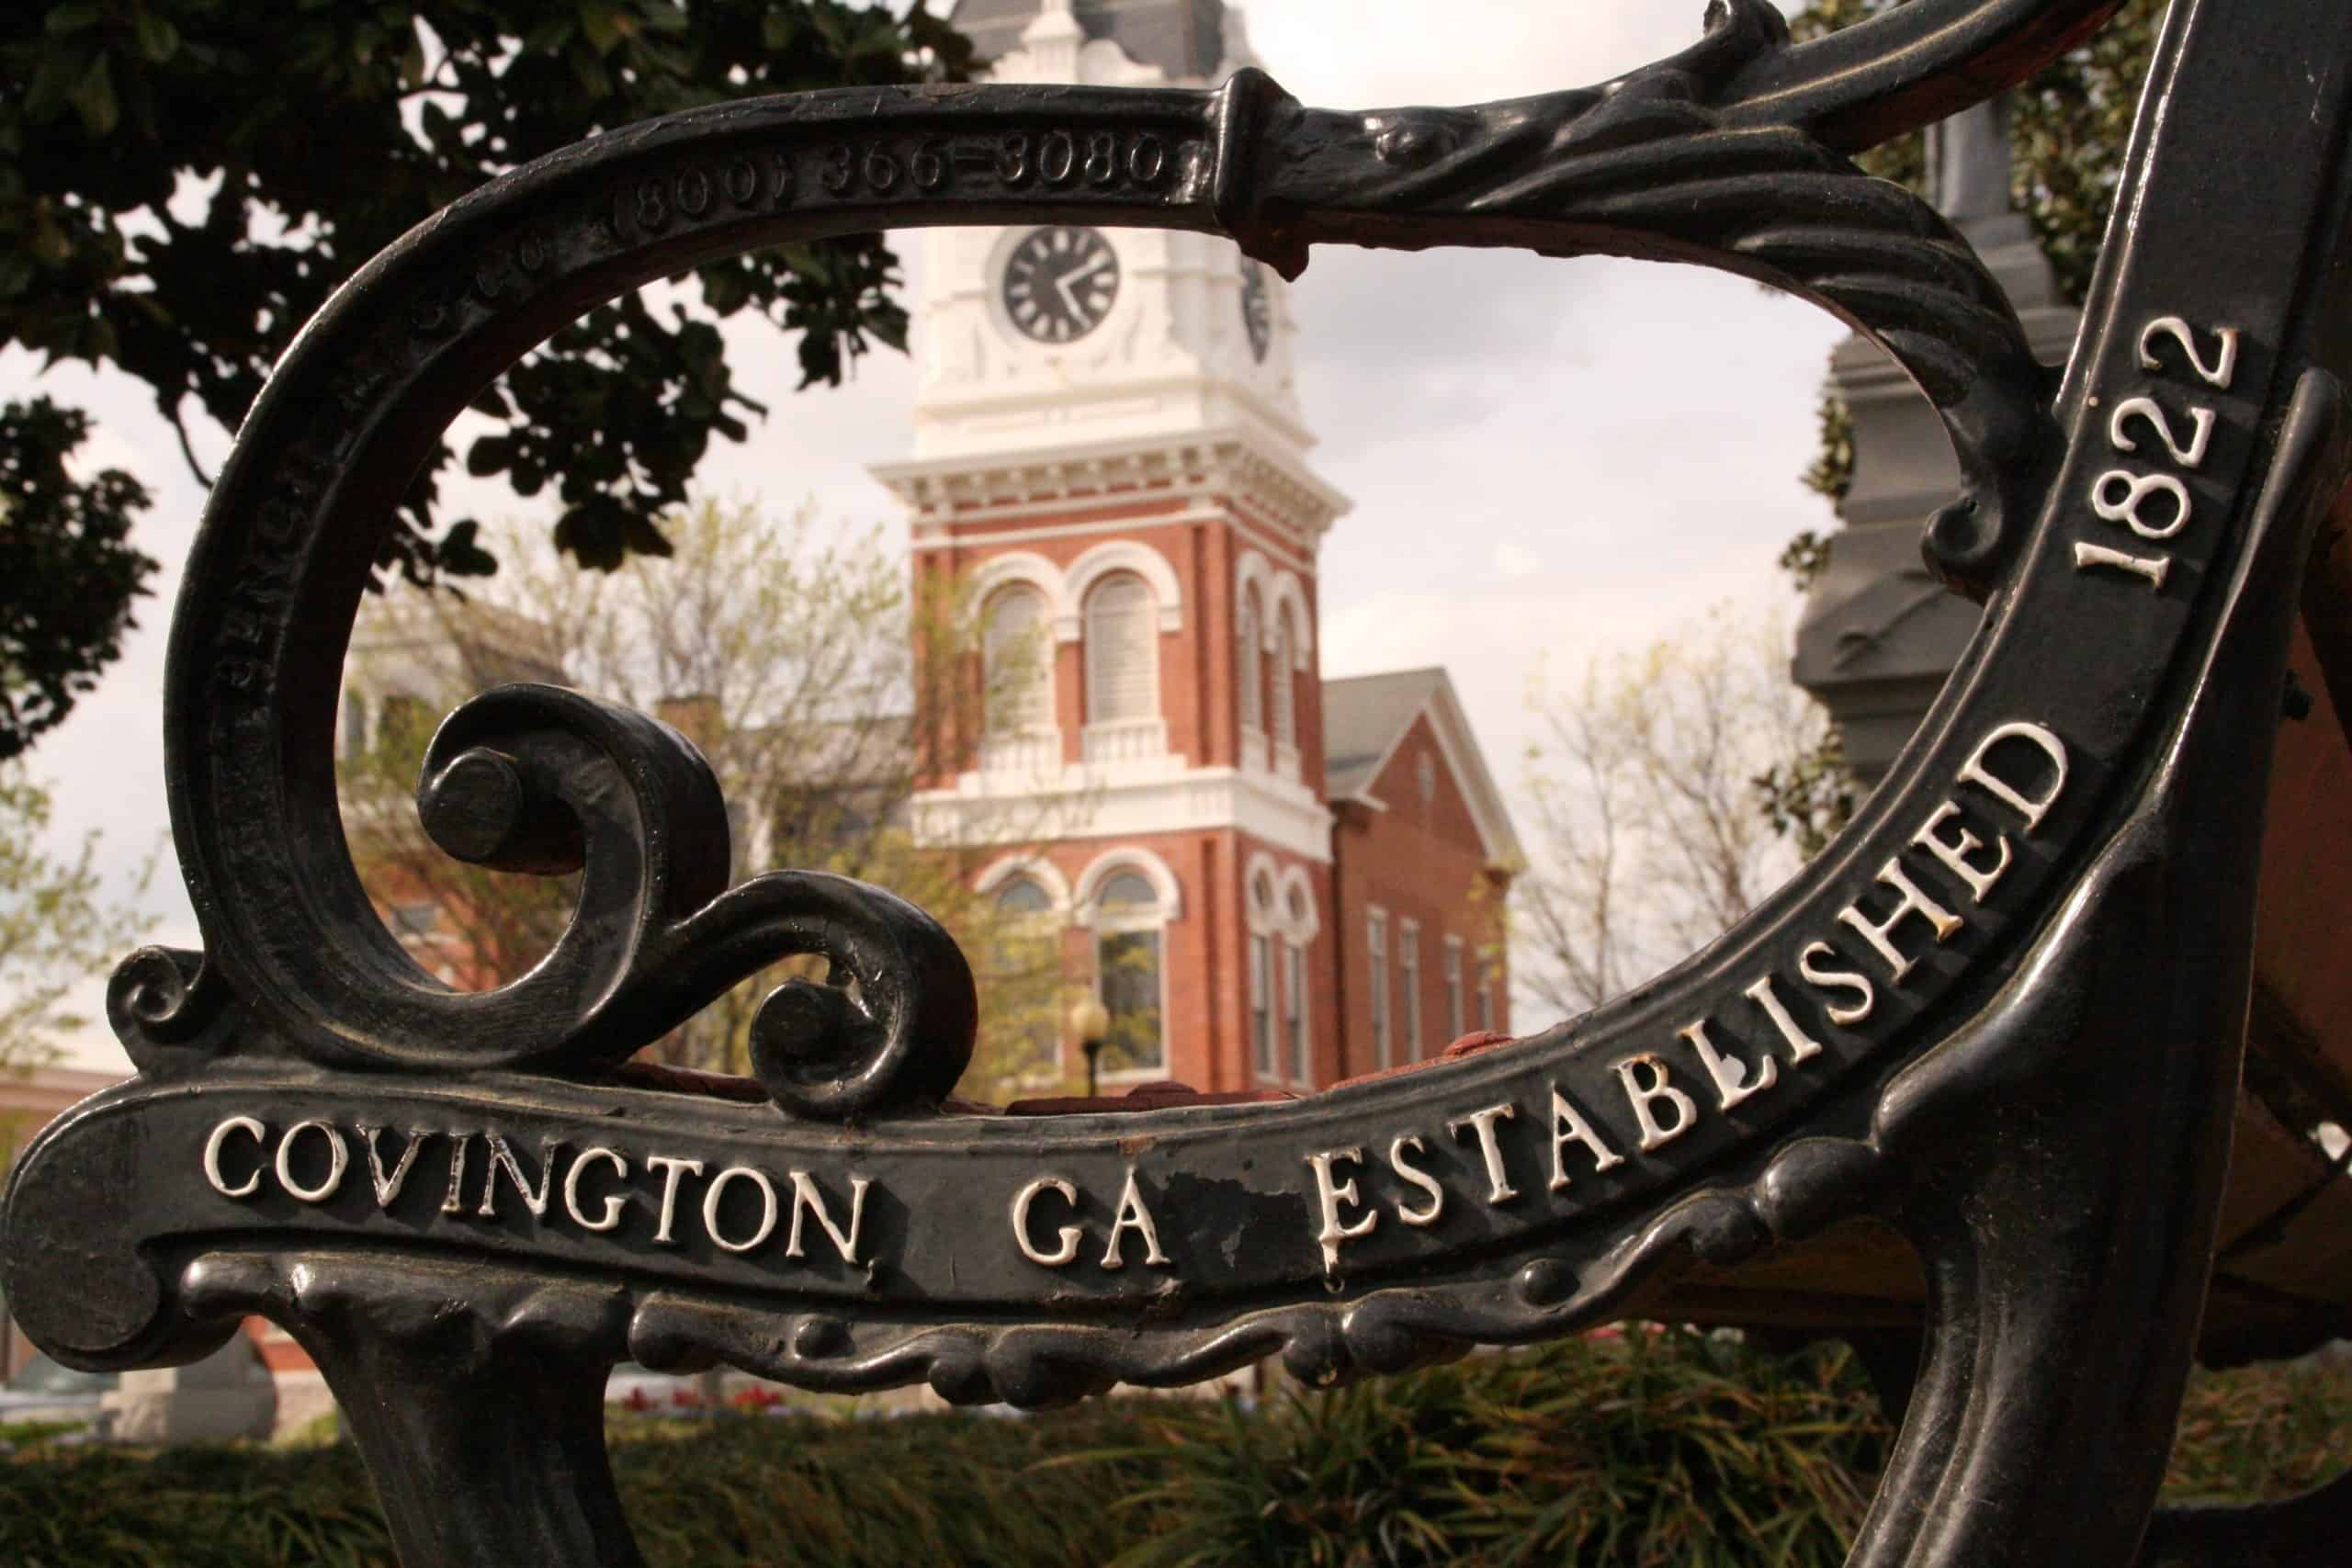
column 1649, row 1450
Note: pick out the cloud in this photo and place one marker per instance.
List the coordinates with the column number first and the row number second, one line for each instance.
column 1548, row 459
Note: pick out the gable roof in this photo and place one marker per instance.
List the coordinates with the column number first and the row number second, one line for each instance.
column 1183, row 37
column 1366, row 717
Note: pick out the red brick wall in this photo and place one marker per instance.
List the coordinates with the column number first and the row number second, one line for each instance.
column 1421, row 862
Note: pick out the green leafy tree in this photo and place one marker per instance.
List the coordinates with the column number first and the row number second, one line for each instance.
column 792, row 657
column 1654, row 830
column 57, row 929
column 69, row 569
column 184, row 182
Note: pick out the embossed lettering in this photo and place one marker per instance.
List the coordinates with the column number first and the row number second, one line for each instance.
column 1880, row 933
column 1952, row 854
column 1644, row 1096
column 1498, row 1187
column 806, row 1198
column 614, row 1201
column 455, row 1203
column 1810, row 971
column 502, row 1158
column 1975, row 771
column 388, row 1187
column 1803, row 1047
column 1329, row 1195
column 714, row 1194
column 1133, row 1215
column 1734, row 1086
column 338, row 1156
column 2091, row 558
column 672, row 1171
column 212, row 1147
column 1068, row 1238
column 1418, row 1218
column 1569, row 1126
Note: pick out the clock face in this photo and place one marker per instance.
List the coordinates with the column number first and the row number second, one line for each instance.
column 1060, row 282
column 1257, row 309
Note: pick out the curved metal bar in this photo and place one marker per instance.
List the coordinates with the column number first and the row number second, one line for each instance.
column 1929, row 1005
column 1910, row 66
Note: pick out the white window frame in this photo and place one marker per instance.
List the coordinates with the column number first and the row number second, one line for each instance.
column 1128, row 922
column 1457, row 1020
column 1282, row 716
column 1263, row 1054
column 1295, row 1027
column 1377, row 947
column 1005, row 725
column 1249, row 662
column 1409, row 980
column 1148, row 624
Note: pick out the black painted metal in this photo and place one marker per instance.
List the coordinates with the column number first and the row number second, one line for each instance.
column 465, row 1213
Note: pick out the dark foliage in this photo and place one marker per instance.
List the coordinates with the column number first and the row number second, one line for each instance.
column 184, row 182
column 68, row 567
column 1670, row 1451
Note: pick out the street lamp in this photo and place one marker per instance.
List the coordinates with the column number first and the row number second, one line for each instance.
column 1090, row 1020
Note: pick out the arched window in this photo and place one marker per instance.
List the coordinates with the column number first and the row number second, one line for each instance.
column 355, row 727
column 1285, row 686
column 1262, row 977
column 1128, row 922
column 1020, row 662
column 1122, row 652
column 1249, row 666
column 1021, row 895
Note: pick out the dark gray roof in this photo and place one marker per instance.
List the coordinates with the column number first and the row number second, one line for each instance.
column 1364, row 717
column 1183, row 37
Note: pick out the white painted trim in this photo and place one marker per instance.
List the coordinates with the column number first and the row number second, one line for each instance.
column 1036, row 868
column 1136, row 858
column 947, row 535
column 1295, row 880
column 1110, row 559
column 1226, row 460
column 1085, row 804
column 1290, row 598
column 1026, row 567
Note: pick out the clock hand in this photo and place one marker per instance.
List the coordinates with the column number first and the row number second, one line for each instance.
column 1080, row 274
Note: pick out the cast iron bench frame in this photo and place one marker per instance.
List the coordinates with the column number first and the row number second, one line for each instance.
column 2055, row 885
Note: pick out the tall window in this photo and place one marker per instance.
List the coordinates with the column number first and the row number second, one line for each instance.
column 1295, row 1010
column 1377, row 937
column 1020, row 662
column 1486, row 1002
column 1285, row 689
column 1122, row 652
column 1025, row 949
column 1408, row 942
column 1127, row 955
column 1249, row 663
column 1261, row 1003
column 1455, row 1021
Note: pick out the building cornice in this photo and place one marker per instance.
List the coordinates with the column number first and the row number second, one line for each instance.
column 1232, row 463
column 1093, row 803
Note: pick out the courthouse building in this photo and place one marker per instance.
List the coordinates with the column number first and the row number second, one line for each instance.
column 1273, row 880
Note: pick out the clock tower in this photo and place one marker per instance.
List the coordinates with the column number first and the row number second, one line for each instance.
column 1110, row 458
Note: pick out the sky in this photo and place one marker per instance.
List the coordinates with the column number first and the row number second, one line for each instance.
column 1549, row 460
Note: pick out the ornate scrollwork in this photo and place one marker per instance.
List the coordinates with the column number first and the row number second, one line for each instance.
column 2066, row 773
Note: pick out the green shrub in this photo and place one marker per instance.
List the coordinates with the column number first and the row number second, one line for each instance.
column 1652, row 1449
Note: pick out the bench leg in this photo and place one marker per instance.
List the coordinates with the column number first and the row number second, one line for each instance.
column 2064, row 1155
